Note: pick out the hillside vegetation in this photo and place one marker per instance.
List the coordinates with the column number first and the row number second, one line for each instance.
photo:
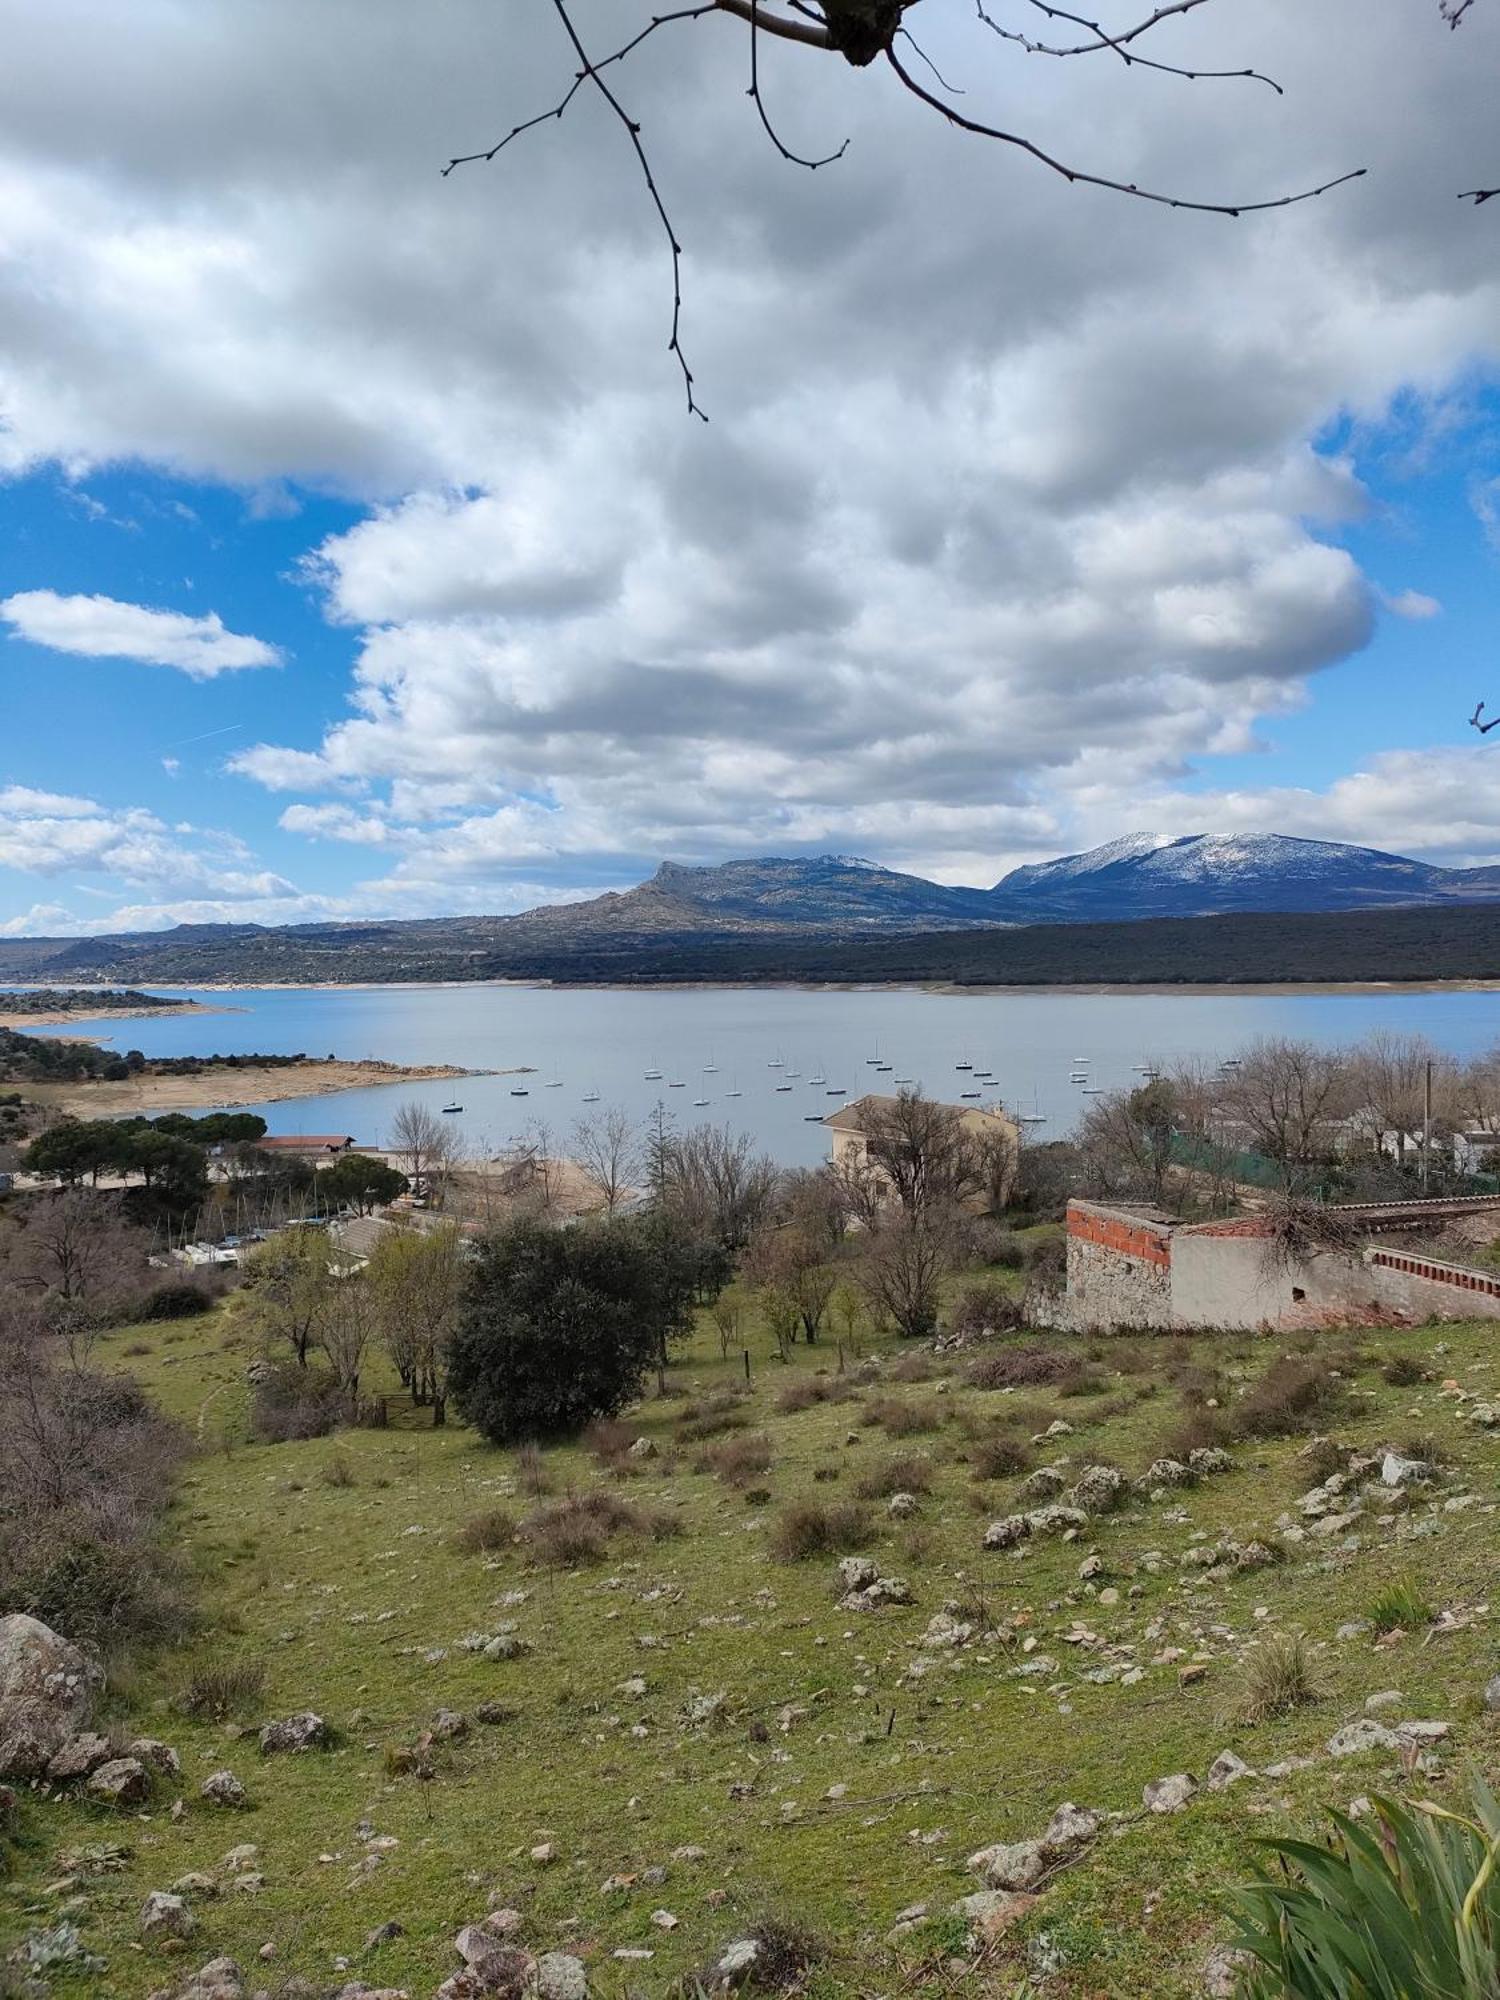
column 618, row 1687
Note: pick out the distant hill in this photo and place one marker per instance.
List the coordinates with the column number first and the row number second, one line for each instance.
column 802, row 913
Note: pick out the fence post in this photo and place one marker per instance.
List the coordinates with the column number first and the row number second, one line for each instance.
column 746, row 1352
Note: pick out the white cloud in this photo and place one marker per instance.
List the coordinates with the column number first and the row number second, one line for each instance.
column 102, row 628
column 1412, row 604
column 44, row 834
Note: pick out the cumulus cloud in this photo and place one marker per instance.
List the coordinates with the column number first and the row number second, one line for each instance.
column 46, row 834
column 102, row 628
column 1013, row 512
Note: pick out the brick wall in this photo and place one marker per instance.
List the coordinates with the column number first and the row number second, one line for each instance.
column 1119, row 1269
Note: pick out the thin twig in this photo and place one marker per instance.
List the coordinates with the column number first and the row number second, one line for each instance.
column 1118, row 43
column 815, row 34
column 1453, row 11
column 1479, row 196
column 772, row 134
column 1078, row 176
column 557, row 110
column 951, row 88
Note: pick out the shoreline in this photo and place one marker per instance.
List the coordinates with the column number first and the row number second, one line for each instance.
column 238, row 1088
column 64, row 1016
column 1237, row 989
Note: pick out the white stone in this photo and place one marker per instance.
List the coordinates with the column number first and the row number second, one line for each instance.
column 1171, row 1794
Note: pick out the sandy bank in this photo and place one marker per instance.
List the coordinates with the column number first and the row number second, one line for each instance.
column 83, row 1012
column 245, row 1085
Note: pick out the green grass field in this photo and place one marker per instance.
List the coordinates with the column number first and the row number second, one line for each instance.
column 848, row 1771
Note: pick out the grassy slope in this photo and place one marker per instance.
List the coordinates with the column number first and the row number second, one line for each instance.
column 340, row 1596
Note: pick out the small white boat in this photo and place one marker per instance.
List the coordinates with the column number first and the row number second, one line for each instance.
column 734, row 1089
column 521, row 1093
column 449, row 1109
column 1093, row 1090
column 677, row 1084
column 699, row 1102
column 776, row 1062
column 1031, row 1117
column 838, row 1093
column 781, row 1087
column 554, row 1083
column 591, row 1097
column 653, row 1076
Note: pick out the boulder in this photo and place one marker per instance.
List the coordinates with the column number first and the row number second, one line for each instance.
column 901, row 1506
column 1227, row 1770
column 1355, row 1739
column 1398, row 1471
column 295, row 1733
column 1492, row 1695
column 1169, row 1795
column 1420, row 1733
column 164, row 1915
column 160, row 1756
column 47, row 1693
column 1167, row 1472
column 559, row 1976
column 123, row 1781
column 447, row 1726
column 1207, row 1460
column 1099, row 1490
column 737, row 1961
column 884, row 1590
column 79, row 1756
column 943, row 1629
column 1056, row 1520
column 1070, row 1828
column 992, row 1911
column 1043, row 1484
column 643, row 1447
column 223, row 1788
column 1224, row 1970
column 1008, row 1533
column 1015, row 1865
column 219, row 1979
column 857, row 1573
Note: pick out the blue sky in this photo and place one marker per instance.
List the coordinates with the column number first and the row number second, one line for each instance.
column 357, row 557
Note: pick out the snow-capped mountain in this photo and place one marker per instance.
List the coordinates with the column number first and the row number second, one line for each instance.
column 1200, row 874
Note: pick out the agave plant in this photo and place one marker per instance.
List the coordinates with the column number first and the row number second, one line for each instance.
column 1402, row 1906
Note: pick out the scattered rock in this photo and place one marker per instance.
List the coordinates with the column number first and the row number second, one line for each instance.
column 295, row 1733
column 160, row 1756
column 219, row 1979
column 1492, row 1695
column 737, row 1961
column 223, row 1788
column 644, row 1447
column 1090, row 1568
column 1387, row 1698
column 1099, row 1490
column 1207, row 1460
column 1421, row 1732
column 123, row 1781
column 1223, row 1971
column 1070, row 1828
column 1017, row 1865
column 79, row 1756
column 383, row 1934
column 1227, row 1770
column 901, row 1506
column 1167, row 1472
column 1167, row 1795
column 164, row 1915
column 992, row 1911
column 1398, row 1471
column 559, row 1976
column 857, row 1573
column 47, row 1694
column 1356, row 1738
column 1007, row 1534
column 1044, row 1484
column 492, row 1713
column 447, row 1726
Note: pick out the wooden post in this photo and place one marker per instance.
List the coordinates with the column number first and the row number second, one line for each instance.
column 746, row 1353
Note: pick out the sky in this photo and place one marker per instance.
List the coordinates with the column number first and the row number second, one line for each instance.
column 359, row 556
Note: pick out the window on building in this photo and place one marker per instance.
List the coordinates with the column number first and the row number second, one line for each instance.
column 1298, row 1295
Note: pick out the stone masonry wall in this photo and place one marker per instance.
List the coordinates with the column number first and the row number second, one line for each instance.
column 1119, row 1270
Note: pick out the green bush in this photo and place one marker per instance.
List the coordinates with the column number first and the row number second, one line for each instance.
column 559, row 1327
column 1405, row 1906
column 1400, row 1607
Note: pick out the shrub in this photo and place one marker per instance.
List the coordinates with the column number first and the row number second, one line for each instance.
column 292, row 1403
column 576, row 1530
column 1400, row 1607
column 663, row 1524
column 801, row 1393
column 179, row 1301
column 907, row 1472
column 902, row 1419
column 337, row 1471
column 1199, row 1430
column 532, row 1473
column 559, row 1326
column 1319, row 1461
column 1407, row 1903
column 220, row 1689
column 980, row 1310
column 738, row 1459
column 1404, row 1371
column 912, row 1368
column 1293, row 1395
column 1000, row 1458
column 1278, row 1678
column 1030, row 1367
column 1047, row 1259
column 607, row 1440
column 711, row 1416
column 483, row 1533
column 809, row 1528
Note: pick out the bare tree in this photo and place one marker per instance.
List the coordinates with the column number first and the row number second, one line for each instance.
column 604, row 1147
column 924, row 1153
column 287, row 1286
column 346, row 1326
column 861, row 32
column 420, row 1138
column 416, row 1278
column 790, row 1262
column 75, row 1247
column 1127, row 1140
column 714, row 1184
column 1287, row 1098
column 726, row 1316
column 902, row 1269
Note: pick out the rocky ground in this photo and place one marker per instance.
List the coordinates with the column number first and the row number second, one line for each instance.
column 463, row 1723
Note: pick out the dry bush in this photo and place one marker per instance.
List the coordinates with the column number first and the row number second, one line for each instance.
column 220, row 1689
column 1082, row 1380
column 662, row 1524
column 711, row 1416
column 532, row 1473
column 980, row 1310
column 802, row 1392
column 575, row 1530
column 1293, row 1396
column 1403, row 1371
column 1195, row 1383
column 292, row 1403
column 912, row 1368
column 1319, row 1461
column 1278, row 1678
column 608, row 1440
column 1199, row 1430
column 1029, row 1367
column 903, row 1419
column 809, row 1528
column 337, row 1471
column 907, row 1472
column 1047, row 1259
column 737, row 1460
column 137, row 1349
column 483, row 1534
column 1000, row 1458
column 87, row 1467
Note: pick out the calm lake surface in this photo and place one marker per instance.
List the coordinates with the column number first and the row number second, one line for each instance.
column 580, row 1040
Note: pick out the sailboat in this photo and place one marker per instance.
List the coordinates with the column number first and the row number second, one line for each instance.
column 873, row 1062
column 1033, row 1116
column 591, row 1096
column 449, row 1109
column 776, row 1062
column 735, row 1091
column 710, row 1068
column 653, row 1076
column 819, row 1078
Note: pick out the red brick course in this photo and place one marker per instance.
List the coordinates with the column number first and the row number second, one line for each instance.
column 1109, row 1232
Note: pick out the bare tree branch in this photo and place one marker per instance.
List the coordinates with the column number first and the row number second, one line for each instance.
column 815, row 34
column 772, row 134
column 1118, row 43
column 1078, row 176
column 1479, row 196
column 1453, row 11
column 943, row 83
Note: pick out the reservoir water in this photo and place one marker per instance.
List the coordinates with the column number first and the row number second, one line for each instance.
column 749, row 1058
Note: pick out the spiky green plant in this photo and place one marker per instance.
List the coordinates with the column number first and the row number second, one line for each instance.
column 1400, row 1606
column 1402, row 1906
